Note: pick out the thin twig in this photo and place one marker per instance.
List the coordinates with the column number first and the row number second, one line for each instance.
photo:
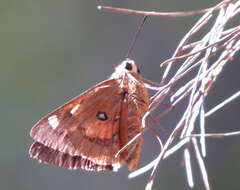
column 222, row 104
column 154, row 13
column 217, row 135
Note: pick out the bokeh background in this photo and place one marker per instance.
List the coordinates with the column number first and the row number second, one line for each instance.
column 51, row 50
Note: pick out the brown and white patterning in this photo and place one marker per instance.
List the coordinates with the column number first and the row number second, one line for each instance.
column 90, row 129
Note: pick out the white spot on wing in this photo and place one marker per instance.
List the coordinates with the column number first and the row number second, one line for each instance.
column 75, row 108
column 53, row 121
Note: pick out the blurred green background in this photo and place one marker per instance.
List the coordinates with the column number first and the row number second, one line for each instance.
column 51, row 50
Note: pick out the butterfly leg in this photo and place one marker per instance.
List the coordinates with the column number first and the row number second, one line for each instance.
column 134, row 155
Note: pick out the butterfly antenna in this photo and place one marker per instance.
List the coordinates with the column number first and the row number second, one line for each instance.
column 136, row 36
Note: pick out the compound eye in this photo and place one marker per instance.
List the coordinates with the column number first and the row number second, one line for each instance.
column 128, row 66
column 138, row 70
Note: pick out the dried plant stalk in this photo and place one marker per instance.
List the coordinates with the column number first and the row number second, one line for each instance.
column 205, row 57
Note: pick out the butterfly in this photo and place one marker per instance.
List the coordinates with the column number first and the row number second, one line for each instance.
column 90, row 129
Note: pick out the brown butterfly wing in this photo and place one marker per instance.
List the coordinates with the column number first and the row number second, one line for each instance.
column 85, row 129
column 89, row 130
column 51, row 156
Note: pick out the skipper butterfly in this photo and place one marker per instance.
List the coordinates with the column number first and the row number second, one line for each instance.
column 90, row 129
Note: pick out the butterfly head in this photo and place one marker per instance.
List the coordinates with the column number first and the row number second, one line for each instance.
column 126, row 66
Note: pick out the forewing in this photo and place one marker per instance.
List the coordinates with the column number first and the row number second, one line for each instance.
column 87, row 126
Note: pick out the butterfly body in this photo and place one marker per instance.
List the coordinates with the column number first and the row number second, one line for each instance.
column 90, row 129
